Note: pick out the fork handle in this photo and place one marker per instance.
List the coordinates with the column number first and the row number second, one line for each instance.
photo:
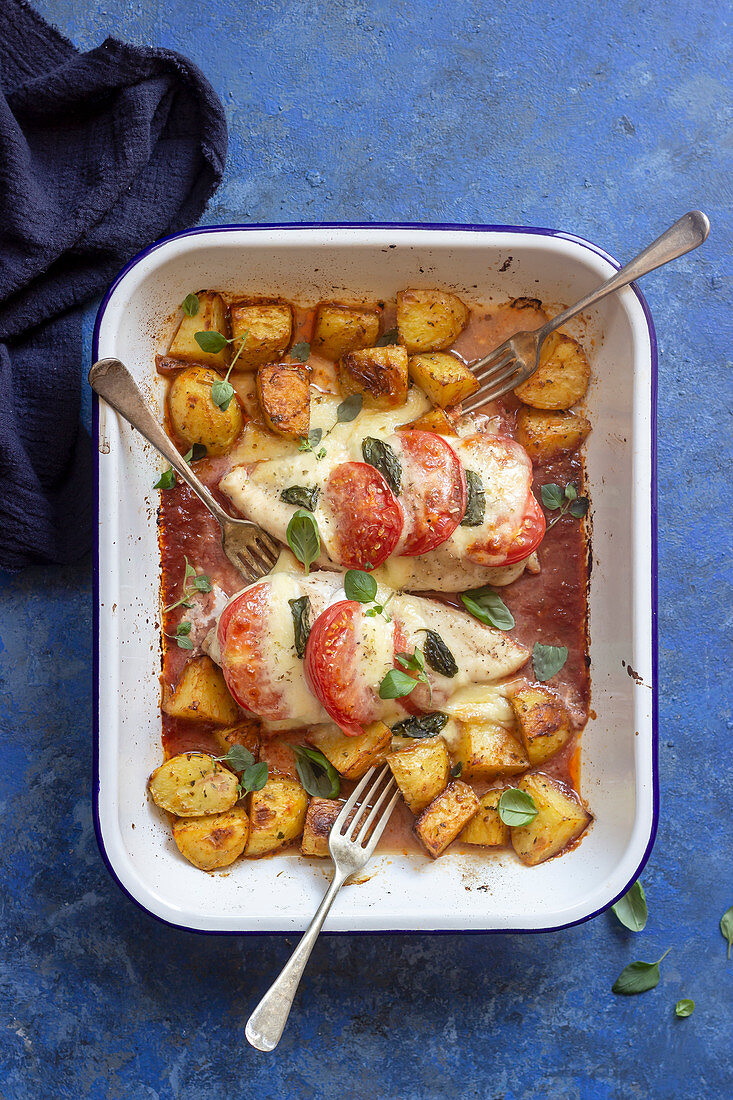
column 685, row 235
column 267, row 1022
column 111, row 379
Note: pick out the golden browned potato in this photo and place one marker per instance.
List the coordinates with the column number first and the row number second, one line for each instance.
column 445, row 379
column 543, row 721
column 193, row 784
column 284, row 393
column 264, row 328
column 442, row 821
column 322, row 812
column 194, row 416
column 421, row 771
column 544, row 435
column 487, row 828
column 276, row 815
column 433, row 421
column 280, row 757
column 339, row 329
column 211, row 317
column 379, row 374
column 560, row 821
column 487, row 749
column 212, row 842
column 561, row 378
column 246, row 733
column 352, row 756
column 429, row 320
column 202, row 695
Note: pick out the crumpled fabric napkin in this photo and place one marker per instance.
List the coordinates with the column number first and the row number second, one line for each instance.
column 100, row 154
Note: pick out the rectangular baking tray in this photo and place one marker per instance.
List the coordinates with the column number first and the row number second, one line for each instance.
column 459, row 892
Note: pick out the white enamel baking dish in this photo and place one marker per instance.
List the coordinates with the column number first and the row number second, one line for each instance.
column 619, row 770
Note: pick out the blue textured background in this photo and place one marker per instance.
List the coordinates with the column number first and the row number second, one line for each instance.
column 603, row 119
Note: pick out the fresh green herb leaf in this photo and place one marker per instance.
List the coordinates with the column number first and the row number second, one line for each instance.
column 360, row 586
column 489, row 608
column 548, row 660
column 167, row 479
column 183, row 628
column 684, row 1008
column 414, row 661
column 631, row 908
column 238, row 758
column 196, row 452
column 184, row 643
column 301, row 611
column 552, row 496
column 475, row 501
column 426, row 725
column 579, row 507
column 254, row 777
column 311, row 441
column 571, row 493
column 190, row 570
column 516, row 807
column 563, row 501
column 190, row 305
column 456, row 770
column 211, row 342
column 316, row 773
column 302, row 496
column 638, row 977
column 726, row 927
column 300, row 351
column 380, row 455
column 202, row 583
column 349, row 408
column 222, row 393
column 396, row 684
column 303, row 538
column 438, row 656
column 388, row 337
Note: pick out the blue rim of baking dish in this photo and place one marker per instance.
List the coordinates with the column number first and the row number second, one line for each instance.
column 446, row 227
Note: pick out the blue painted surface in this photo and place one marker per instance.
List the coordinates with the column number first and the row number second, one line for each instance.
column 604, row 120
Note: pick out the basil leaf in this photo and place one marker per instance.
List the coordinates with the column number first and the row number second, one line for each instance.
column 190, row 305
column 254, row 777
column 684, row 1008
column 726, row 927
column 388, row 337
column 380, row 455
column 349, row 409
column 222, row 393
column 359, row 586
column 631, row 908
column 202, row 583
column 316, row 773
column 238, row 758
column 300, row 351
column 183, row 642
column 516, row 807
column 638, row 977
column 489, row 608
column 303, row 538
column 456, row 770
column 438, row 656
column 571, row 491
column 167, row 479
column 414, row 660
column 210, row 341
column 552, row 496
column 196, row 452
column 426, row 725
column 396, row 684
column 475, row 501
column 579, row 507
column 301, row 610
column 302, row 496
column 548, row 660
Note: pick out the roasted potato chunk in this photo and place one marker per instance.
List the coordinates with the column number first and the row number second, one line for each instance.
column 339, row 329
column 212, row 842
column 262, row 329
column 544, row 435
column 284, row 393
column 429, row 320
column 321, row 814
column 543, row 721
column 480, row 703
column 352, row 756
column 487, row 749
column 211, row 317
column 193, row 784
column 562, row 377
column 202, row 695
column 379, row 374
column 560, row 820
column 276, row 815
column 486, row 828
column 195, row 418
column 421, row 771
column 442, row 821
column 433, row 421
column 445, row 379
column 245, row 733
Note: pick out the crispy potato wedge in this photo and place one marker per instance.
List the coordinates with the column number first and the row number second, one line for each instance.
column 488, row 749
column 322, row 812
column 264, row 328
column 195, row 418
column 279, row 755
column 421, row 770
column 193, row 784
column 339, row 329
column 433, row 421
column 543, row 721
column 560, row 821
column 445, row 379
column 429, row 320
column 544, row 435
column 202, row 695
column 276, row 815
column 379, row 374
column 283, row 390
column 441, row 822
column 246, row 733
column 212, row 842
column 486, row 828
column 211, row 317
column 352, row 756
column 562, row 377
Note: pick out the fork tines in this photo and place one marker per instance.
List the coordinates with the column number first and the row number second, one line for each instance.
column 365, row 826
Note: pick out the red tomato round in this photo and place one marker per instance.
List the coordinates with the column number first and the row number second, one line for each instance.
column 242, row 626
column 530, row 534
column 433, row 491
column 331, row 667
column 365, row 513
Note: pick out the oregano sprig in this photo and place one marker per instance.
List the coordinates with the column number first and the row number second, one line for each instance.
column 222, row 391
column 562, row 501
column 181, row 636
column 253, row 776
column 168, row 477
column 200, row 582
column 347, row 411
column 362, row 587
column 397, row 684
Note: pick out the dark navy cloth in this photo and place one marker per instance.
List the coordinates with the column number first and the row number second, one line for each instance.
column 100, row 154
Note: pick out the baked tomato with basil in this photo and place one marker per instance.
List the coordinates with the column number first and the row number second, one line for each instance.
column 243, row 627
column 362, row 516
column 433, row 493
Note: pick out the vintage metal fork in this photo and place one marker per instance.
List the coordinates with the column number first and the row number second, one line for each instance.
column 250, row 549
column 351, row 844
column 517, row 358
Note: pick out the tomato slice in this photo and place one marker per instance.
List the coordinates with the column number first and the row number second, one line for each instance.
column 242, row 626
column 331, row 667
column 433, row 492
column 364, row 513
column 530, row 534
